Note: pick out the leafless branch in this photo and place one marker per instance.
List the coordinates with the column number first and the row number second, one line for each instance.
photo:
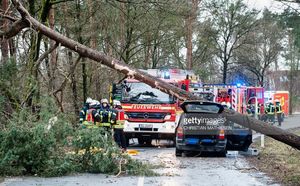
column 43, row 56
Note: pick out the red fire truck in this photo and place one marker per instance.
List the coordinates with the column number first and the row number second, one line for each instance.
column 236, row 96
column 149, row 113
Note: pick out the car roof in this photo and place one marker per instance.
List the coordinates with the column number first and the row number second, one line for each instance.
column 197, row 102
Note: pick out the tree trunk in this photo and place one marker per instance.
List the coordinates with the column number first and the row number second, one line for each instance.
column 190, row 21
column 53, row 62
column 225, row 68
column 122, row 26
column 4, row 42
column 259, row 126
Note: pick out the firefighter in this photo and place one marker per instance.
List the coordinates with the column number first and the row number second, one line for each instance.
column 278, row 110
column 105, row 115
column 118, row 125
column 83, row 111
column 261, row 112
column 91, row 115
column 248, row 110
column 270, row 110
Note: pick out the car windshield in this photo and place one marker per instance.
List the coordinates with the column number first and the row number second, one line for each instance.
column 202, row 108
column 142, row 93
column 205, row 95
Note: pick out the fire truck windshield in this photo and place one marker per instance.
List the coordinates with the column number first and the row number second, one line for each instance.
column 142, row 93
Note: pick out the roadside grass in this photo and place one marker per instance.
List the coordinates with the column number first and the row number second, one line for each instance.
column 279, row 161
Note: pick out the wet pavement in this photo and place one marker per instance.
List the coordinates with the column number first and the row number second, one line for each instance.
column 184, row 171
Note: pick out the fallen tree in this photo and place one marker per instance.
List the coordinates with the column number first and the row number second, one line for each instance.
column 27, row 20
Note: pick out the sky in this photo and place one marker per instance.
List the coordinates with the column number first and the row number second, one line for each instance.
column 270, row 4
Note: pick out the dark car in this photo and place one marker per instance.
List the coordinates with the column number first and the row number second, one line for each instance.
column 202, row 127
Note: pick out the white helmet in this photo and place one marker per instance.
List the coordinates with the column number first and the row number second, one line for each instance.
column 96, row 102
column 93, row 103
column 116, row 102
column 104, row 101
column 223, row 103
column 89, row 100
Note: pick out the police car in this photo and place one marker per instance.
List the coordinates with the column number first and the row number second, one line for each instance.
column 202, row 127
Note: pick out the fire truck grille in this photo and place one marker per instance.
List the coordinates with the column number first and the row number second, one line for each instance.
column 145, row 115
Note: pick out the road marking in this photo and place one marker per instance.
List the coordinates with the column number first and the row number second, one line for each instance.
column 141, row 181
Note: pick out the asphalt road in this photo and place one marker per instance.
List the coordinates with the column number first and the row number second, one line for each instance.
column 182, row 171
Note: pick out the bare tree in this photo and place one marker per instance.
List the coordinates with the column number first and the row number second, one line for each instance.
column 261, row 47
column 232, row 20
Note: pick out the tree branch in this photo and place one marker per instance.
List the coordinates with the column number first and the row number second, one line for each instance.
column 43, row 56
column 14, row 29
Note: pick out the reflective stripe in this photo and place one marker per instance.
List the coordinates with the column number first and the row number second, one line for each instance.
column 105, row 124
column 87, row 123
column 109, row 115
column 119, row 124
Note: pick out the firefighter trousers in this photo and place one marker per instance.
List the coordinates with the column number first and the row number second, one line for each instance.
column 120, row 138
column 279, row 118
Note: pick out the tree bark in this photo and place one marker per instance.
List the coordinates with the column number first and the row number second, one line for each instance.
column 53, row 62
column 259, row 126
column 225, row 69
column 4, row 41
column 189, row 33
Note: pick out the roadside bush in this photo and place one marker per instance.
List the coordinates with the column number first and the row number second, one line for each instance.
column 47, row 145
column 32, row 146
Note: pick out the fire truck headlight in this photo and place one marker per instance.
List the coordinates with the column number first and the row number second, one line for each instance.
column 168, row 116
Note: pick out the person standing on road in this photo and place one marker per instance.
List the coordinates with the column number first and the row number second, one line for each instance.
column 271, row 113
column 91, row 115
column 278, row 110
column 105, row 114
column 118, row 125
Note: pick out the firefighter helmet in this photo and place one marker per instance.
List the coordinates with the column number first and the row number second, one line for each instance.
column 104, row 101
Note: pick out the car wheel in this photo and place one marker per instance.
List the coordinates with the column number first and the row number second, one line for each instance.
column 178, row 152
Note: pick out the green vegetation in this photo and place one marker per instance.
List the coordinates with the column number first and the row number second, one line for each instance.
column 45, row 145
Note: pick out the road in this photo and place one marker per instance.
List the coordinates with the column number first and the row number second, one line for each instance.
column 182, row 171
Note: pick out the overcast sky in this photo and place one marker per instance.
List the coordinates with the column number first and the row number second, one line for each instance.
column 270, row 4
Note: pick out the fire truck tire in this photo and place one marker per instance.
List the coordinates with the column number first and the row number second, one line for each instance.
column 127, row 142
